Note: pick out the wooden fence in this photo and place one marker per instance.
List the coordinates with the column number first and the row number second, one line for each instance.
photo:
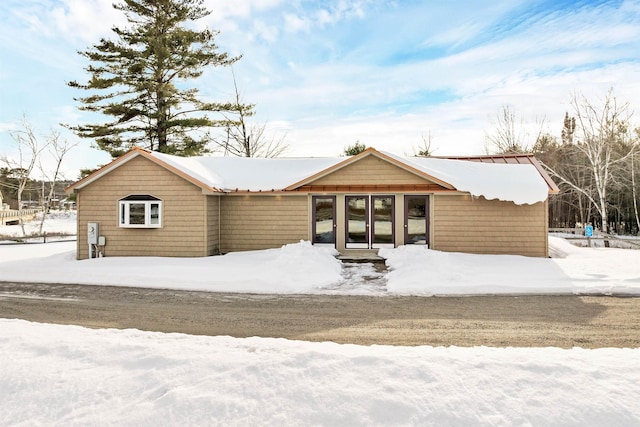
column 13, row 217
column 38, row 238
column 578, row 234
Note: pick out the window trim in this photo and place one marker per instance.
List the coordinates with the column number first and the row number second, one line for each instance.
column 124, row 214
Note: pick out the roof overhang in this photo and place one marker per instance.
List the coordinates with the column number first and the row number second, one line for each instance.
column 523, row 159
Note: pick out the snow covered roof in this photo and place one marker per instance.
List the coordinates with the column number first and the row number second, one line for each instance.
column 518, row 183
column 248, row 174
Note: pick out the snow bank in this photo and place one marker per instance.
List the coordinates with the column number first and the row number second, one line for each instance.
column 295, row 268
column 304, row 268
column 61, row 375
column 417, row 270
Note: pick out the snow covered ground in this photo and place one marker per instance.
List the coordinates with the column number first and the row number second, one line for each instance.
column 303, row 268
column 67, row 375
column 56, row 222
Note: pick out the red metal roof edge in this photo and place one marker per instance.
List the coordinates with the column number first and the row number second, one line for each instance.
column 528, row 157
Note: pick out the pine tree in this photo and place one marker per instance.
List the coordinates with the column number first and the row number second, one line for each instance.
column 355, row 149
column 138, row 80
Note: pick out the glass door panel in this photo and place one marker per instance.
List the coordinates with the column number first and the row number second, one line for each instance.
column 416, row 220
column 357, row 221
column 324, row 220
column 382, row 219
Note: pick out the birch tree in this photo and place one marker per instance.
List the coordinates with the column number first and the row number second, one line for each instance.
column 58, row 148
column 600, row 131
column 29, row 148
column 634, row 192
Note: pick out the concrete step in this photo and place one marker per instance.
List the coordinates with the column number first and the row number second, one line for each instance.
column 360, row 256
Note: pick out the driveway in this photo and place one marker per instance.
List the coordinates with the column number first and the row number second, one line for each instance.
column 519, row 321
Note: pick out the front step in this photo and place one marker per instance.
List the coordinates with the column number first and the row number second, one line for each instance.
column 351, row 255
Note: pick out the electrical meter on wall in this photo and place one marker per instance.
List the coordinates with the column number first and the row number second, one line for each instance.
column 93, row 233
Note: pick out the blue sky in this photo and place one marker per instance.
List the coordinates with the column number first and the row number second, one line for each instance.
column 329, row 73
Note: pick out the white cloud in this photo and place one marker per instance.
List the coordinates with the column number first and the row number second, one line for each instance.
column 293, row 23
column 224, row 9
column 262, row 30
column 8, row 127
column 83, row 20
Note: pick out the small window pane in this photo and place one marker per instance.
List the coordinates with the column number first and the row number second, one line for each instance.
column 136, row 213
column 155, row 213
column 123, row 208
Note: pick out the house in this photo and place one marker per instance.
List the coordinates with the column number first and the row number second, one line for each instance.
column 152, row 204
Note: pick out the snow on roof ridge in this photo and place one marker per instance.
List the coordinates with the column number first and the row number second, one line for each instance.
column 518, row 183
column 192, row 167
column 265, row 174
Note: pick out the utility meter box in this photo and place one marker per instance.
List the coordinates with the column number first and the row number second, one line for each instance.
column 92, row 233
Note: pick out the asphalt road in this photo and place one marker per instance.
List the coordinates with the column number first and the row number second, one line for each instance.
column 519, row 321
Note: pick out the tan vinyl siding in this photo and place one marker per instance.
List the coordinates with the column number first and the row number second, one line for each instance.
column 183, row 216
column 370, row 170
column 465, row 224
column 262, row 222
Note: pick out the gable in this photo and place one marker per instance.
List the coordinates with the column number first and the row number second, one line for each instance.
column 140, row 175
column 372, row 171
column 134, row 155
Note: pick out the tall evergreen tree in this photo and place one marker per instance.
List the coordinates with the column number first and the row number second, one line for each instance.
column 355, row 149
column 138, row 80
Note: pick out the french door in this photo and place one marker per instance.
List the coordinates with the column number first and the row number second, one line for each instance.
column 369, row 221
column 324, row 220
column 416, row 220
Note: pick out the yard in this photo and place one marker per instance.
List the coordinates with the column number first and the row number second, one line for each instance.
column 60, row 374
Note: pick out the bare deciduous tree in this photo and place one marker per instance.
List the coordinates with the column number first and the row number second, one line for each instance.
column 58, row 148
column 509, row 135
column 634, row 193
column 603, row 140
column 29, row 149
column 243, row 139
column 29, row 154
column 425, row 149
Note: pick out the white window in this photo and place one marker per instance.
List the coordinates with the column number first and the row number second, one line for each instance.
column 140, row 211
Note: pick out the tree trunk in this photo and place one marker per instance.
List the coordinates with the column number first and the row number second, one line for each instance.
column 162, row 122
column 633, row 192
